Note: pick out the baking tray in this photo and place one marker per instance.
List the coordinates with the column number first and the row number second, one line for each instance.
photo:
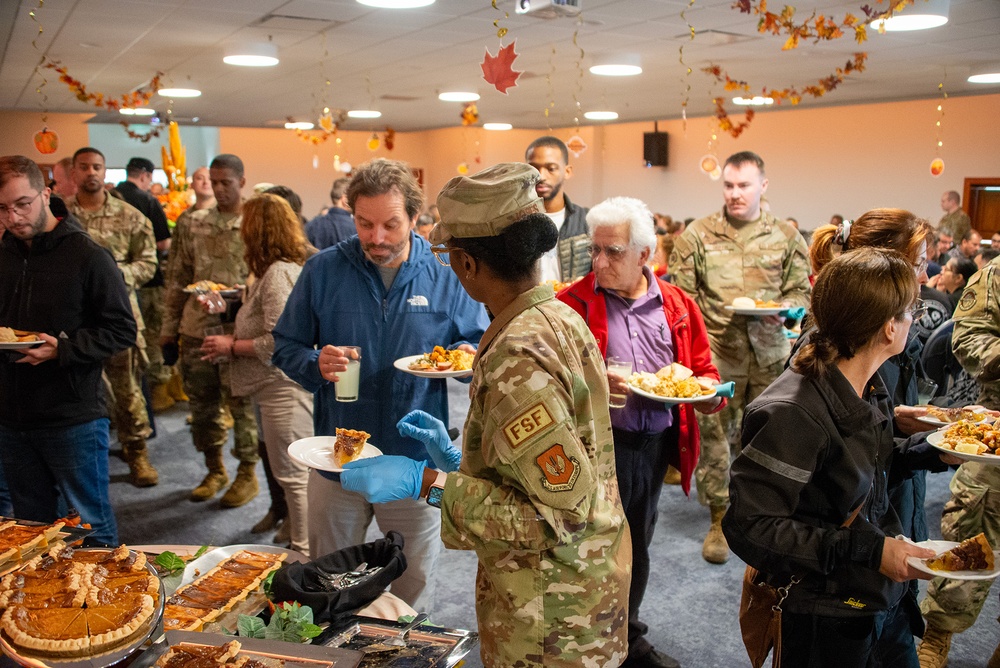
column 152, row 628
column 427, row 646
column 292, row 654
column 67, row 535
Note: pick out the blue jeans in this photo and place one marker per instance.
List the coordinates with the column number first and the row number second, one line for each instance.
column 50, row 469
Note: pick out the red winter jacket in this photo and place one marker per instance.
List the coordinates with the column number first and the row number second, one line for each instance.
column 690, row 349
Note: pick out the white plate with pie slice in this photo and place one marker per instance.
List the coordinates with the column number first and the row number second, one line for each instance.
column 978, row 410
column 403, row 364
column 316, row 452
column 756, row 312
column 938, row 436
column 940, row 546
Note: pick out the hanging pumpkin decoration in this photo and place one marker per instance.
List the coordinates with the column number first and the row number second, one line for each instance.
column 937, row 167
column 46, row 141
column 373, row 142
column 470, row 113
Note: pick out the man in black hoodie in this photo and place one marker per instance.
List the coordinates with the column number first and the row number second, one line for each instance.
column 57, row 282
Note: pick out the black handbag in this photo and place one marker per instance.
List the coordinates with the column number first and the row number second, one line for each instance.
column 304, row 582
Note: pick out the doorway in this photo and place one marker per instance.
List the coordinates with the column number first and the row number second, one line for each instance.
column 982, row 203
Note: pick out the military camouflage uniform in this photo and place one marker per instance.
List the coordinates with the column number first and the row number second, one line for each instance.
column 537, row 495
column 207, row 246
column 954, row 605
column 715, row 262
column 128, row 234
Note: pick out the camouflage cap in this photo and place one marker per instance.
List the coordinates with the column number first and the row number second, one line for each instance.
column 487, row 203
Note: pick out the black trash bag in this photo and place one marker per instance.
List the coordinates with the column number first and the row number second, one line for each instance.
column 301, row 582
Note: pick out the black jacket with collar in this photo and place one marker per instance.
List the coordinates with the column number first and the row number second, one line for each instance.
column 67, row 286
column 574, row 243
column 813, row 452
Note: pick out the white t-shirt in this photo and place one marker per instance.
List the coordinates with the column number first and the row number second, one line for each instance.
column 550, row 261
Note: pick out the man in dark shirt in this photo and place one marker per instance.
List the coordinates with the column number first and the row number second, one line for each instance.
column 337, row 224
column 58, row 283
column 135, row 191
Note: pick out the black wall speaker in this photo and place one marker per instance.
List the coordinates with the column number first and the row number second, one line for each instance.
column 654, row 149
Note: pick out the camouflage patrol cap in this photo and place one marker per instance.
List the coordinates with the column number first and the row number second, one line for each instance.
column 486, row 203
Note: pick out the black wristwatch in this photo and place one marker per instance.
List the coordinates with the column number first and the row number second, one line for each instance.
column 436, row 491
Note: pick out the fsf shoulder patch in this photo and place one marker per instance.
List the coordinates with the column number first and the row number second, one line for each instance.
column 968, row 299
column 527, row 424
column 559, row 470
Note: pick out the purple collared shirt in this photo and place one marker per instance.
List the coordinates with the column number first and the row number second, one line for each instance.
column 639, row 332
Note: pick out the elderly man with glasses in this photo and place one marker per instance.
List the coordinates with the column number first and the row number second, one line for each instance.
column 58, row 283
column 646, row 324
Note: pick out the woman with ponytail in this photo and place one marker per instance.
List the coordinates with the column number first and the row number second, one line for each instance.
column 809, row 489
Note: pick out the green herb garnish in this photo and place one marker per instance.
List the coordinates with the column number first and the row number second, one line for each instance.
column 290, row 622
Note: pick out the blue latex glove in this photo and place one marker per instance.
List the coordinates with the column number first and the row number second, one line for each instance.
column 726, row 389
column 796, row 313
column 430, row 431
column 789, row 334
column 385, row 478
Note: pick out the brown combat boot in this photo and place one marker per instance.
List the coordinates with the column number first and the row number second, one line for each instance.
column 140, row 472
column 175, row 386
column 161, row 399
column 933, row 649
column 673, row 476
column 244, row 487
column 715, row 549
column 215, row 480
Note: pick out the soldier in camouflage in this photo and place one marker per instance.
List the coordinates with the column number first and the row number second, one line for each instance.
column 535, row 492
column 741, row 251
column 128, row 235
column 207, row 246
column 952, row 606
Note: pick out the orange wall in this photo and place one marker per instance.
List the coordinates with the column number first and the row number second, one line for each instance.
column 820, row 161
column 19, row 128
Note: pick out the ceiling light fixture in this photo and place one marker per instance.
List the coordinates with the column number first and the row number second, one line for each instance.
column 619, row 65
column 497, row 126
column 363, row 113
column 396, row 4
column 179, row 92
column 987, row 78
column 253, row 54
column 755, row 101
column 601, row 115
column 924, row 15
column 458, row 96
column 141, row 111
column 299, row 125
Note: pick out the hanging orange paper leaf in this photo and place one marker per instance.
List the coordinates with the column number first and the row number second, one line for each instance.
column 470, row 113
column 498, row 70
column 390, row 138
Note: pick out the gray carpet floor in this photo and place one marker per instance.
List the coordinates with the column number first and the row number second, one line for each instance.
column 690, row 606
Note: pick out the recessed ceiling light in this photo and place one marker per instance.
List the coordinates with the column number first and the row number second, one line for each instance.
column 922, row 16
column 254, row 54
column 755, row 101
column 601, row 115
column 396, row 4
column 612, row 70
column 364, row 113
column 299, row 125
column 179, row 92
column 458, row 96
column 141, row 111
column 992, row 77
column 497, row 126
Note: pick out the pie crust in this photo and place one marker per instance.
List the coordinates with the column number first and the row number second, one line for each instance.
column 348, row 446
column 78, row 603
column 218, row 590
column 973, row 554
column 17, row 539
column 199, row 656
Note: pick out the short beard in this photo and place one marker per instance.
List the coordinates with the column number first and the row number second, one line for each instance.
column 396, row 252
column 552, row 193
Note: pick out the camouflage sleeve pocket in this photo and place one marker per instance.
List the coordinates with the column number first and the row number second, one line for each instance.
column 534, row 437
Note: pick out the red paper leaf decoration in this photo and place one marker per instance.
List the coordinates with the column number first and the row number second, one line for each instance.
column 498, row 70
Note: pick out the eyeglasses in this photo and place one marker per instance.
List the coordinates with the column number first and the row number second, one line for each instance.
column 442, row 254
column 918, row 310
column 20, row 207
column 611, row 252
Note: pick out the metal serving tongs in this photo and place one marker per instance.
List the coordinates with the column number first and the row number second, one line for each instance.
column 399, row 640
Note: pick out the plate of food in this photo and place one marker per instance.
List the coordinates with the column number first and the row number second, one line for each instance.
column 211, row 286
column 972, row 559
column 439, row 363
column 18, row 339
column 673, row 384
column 942, row 417
column 330, row 453
column 755, row 307
column 971, row 441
